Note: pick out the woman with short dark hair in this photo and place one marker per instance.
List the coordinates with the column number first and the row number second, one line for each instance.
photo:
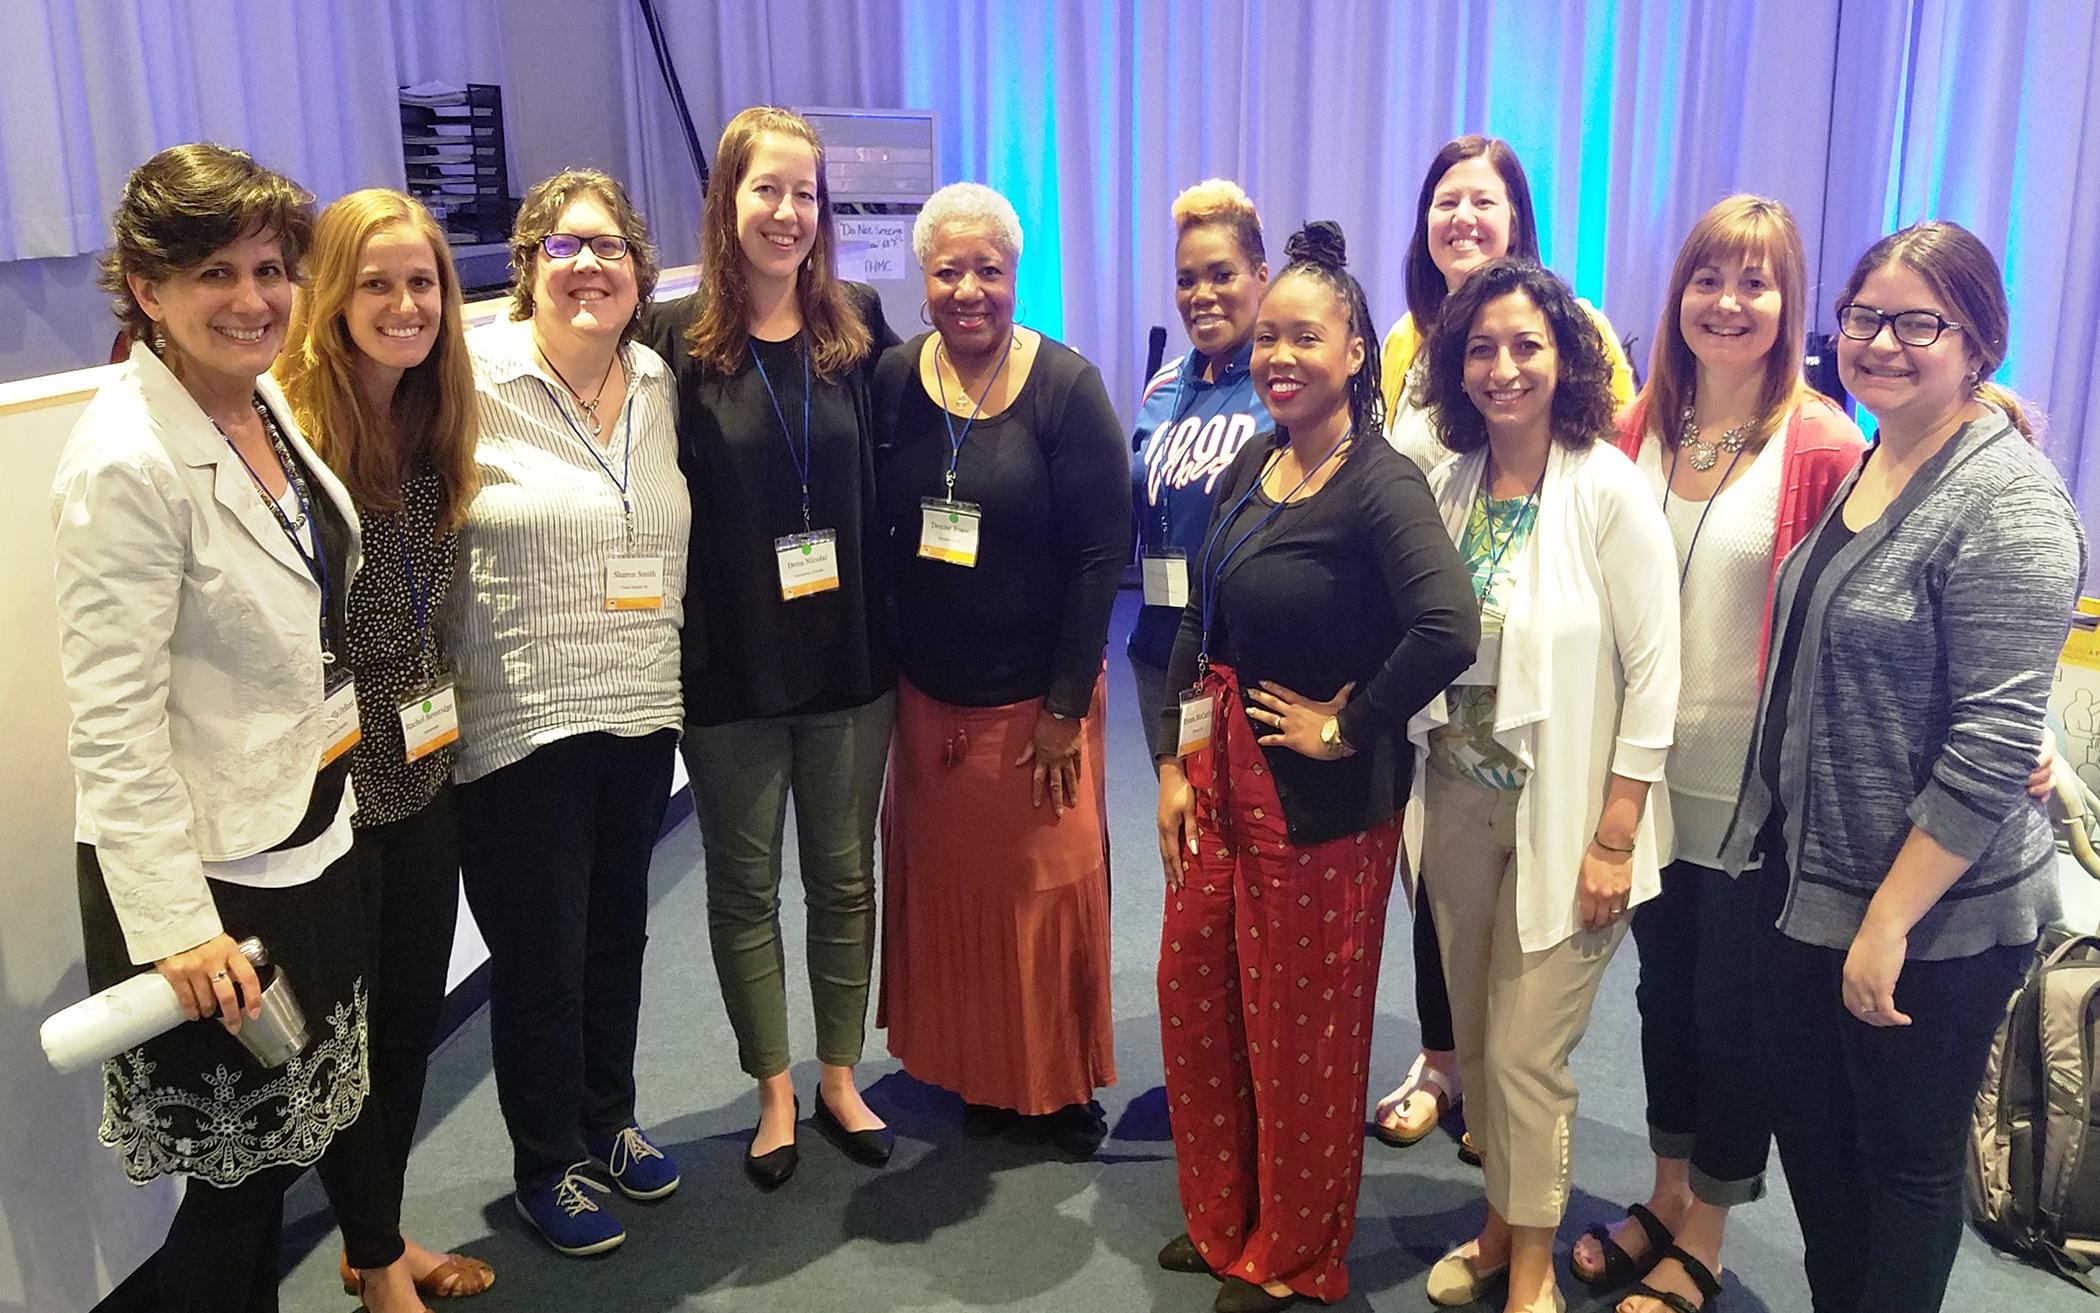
column 205, row 556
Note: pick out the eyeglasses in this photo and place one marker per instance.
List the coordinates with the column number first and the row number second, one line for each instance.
column 1862, row 323
column 565, row 246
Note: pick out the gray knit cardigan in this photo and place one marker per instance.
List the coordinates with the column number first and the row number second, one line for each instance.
column 1926, row 653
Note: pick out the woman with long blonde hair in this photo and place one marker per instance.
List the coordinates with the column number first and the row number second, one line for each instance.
column 376, row 371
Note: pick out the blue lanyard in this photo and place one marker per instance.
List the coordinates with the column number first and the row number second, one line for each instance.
column 1214, row 576
column 619, row 483
column 418, row 598
column 1495, row 562
column 801, row 461
column 317, row 563
column 1179, row 413
column 955, row 440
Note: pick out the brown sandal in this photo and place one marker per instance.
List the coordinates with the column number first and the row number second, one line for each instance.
column 457, row 1277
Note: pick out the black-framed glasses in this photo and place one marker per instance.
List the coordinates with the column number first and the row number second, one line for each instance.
column 1862, row 323
column 565, row 246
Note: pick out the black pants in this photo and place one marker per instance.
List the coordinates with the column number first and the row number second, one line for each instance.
column 1432, row 994
column 1872, row 1120
column 415, row 889
column 555, row 853
column 1700, row 942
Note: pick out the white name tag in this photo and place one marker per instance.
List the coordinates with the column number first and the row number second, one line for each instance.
column 948, row 530
column 339, row 727
column 809, row 563
column 1166, row 578
column 1197, row 708
column 1487, row 664
column 429, row 722
column 634, row 583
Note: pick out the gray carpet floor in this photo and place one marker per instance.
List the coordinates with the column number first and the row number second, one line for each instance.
column 955, row 1223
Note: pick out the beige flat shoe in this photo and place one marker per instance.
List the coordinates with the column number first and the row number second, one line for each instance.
column 1456, row 1281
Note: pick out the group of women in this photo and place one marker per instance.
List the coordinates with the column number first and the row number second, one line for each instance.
column 353, row 598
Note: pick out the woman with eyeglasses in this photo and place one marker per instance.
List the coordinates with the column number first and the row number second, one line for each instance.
column 1915, row 637
column 565, row 640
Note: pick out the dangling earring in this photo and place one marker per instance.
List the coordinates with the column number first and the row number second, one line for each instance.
column 159, row 341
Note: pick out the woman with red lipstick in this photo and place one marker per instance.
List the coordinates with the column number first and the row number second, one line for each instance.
column 1001, row 473
column 787, row 676
column 1537, row 763
column 204, row 559
column 1474, row 207
column 1743, row 458
column 1327, row 607
column 376, row 370
column 566, row 651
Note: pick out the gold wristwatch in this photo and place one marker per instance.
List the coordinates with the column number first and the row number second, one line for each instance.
column 1331, row 735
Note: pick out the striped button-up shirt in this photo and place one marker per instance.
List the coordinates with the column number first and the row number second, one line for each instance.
column 537, row 653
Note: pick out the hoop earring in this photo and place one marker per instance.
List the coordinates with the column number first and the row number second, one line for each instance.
column 924, row 317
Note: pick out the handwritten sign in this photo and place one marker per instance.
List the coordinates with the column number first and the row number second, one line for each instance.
column 875, row 247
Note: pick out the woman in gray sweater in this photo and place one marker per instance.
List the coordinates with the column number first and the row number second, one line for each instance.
column 1906, row 869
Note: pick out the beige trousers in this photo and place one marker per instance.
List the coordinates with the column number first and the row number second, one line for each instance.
column 1518, row 1016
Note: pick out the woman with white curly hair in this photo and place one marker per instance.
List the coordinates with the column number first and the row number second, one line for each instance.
column 1000, row 469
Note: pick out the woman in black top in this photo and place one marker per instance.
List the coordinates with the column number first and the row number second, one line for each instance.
column 1002, row 481
column 787, row 682
column 376, row 372
column 1326, row 607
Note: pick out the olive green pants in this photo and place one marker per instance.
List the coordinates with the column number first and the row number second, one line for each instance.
column 743, row 774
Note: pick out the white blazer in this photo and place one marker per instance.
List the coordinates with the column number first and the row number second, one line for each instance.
column 1587, row 678
column 187, row 637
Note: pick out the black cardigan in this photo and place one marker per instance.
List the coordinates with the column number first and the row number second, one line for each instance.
column 1359, row 582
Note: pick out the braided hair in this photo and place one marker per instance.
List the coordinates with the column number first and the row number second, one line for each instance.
column 1317, row 251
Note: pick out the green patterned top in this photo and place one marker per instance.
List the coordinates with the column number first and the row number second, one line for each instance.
column 1491, row 545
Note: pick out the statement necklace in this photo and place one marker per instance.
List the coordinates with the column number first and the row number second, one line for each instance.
column 1702, row 455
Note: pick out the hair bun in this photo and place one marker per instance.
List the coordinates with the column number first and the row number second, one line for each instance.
column 1319, row 242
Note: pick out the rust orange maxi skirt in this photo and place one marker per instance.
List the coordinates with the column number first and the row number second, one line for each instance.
column 994, row 912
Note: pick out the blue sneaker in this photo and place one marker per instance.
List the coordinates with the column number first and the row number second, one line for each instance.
column 639, row 1168
column 566, row 1216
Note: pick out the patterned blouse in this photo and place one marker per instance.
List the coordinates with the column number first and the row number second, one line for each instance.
column 395, row 602
column 1492, row 544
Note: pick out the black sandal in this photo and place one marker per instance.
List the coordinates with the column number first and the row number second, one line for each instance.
column 1620, row 1267
column 1702, row 1276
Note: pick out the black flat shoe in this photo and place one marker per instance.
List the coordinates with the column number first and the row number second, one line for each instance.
column 1239, row 1296
column 872, row 1147
column 770, row 1171
column 982, row 1121
column 1181, row 1255
column 1077, row 1129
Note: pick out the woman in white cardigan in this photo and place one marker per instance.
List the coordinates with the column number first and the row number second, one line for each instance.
column 1531, row 803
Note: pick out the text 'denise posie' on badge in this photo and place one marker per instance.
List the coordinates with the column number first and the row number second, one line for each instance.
column 948, row 530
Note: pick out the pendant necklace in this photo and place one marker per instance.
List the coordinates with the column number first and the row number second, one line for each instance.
column 589, row 408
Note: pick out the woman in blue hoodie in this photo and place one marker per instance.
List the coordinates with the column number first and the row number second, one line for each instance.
column 1197, row 412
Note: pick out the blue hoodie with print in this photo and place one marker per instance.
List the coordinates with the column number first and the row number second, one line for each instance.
column 1188, row 431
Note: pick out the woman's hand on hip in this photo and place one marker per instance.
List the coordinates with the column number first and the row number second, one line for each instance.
column 1605, row 885
column 1871, row 969
column 1053, row 752
column 1295, row 720
column 205, row 978
column 1177, row 821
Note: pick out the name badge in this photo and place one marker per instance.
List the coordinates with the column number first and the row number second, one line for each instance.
column 429, row 722
column 634, row 583
column 1166, row 578
column 948, row 530
column 339, row 727
column 809, row 563
column 1197, row 708
column 1487, row 663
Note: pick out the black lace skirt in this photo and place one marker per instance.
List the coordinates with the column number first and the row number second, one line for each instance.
column 192, row 1101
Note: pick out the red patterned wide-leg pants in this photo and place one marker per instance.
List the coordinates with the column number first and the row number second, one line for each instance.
column 1268, row 974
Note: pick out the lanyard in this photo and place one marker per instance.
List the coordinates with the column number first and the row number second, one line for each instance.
column 317, row 563
column 418, row 596
column 955, row 440
column 1531, row 498
column 1214, row 576
column 1164, row 432
column 1684, row 572
column 802, row 461
column 620, row 481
